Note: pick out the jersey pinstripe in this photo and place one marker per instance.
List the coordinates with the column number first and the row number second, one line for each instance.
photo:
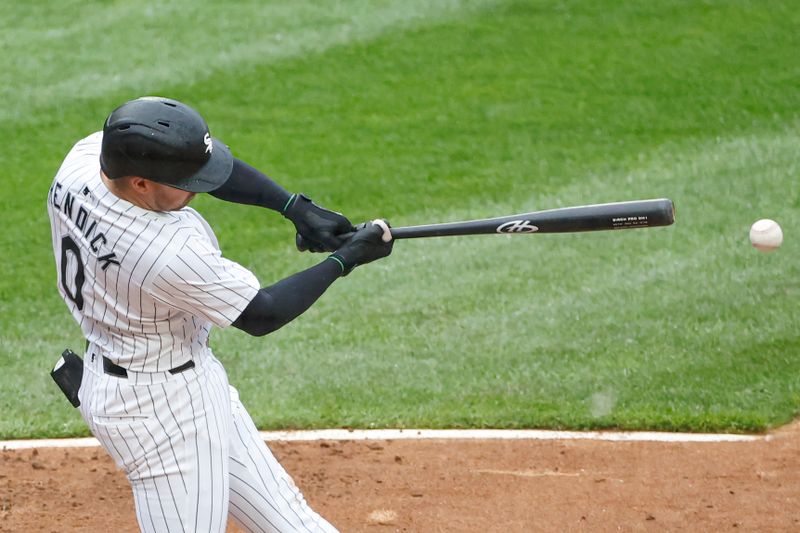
column 125, row 269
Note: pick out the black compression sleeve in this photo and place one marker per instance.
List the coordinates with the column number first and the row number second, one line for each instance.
column 279, row 304
column 248, row 185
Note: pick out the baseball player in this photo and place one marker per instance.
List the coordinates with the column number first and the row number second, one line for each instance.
column 143, row 275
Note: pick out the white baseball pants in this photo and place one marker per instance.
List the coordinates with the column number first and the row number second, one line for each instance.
column 191, row 451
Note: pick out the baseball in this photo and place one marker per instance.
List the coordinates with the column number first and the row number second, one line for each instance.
column 766, row 235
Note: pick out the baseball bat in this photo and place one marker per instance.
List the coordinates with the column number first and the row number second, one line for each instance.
column 597, row 217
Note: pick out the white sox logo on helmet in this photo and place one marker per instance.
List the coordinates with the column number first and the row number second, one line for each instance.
column 208, row 143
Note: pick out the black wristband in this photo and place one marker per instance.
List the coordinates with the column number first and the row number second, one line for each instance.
column 342, row 262
column 293, row 199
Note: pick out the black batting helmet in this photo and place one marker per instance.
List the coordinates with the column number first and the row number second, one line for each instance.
column 165, row 141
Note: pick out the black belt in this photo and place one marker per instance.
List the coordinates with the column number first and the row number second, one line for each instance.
column 116, row 370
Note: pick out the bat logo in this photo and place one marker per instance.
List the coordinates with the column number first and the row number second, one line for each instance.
column 517, row 226
column 208, row 143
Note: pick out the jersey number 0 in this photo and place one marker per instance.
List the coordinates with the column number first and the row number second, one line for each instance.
column 69, row 245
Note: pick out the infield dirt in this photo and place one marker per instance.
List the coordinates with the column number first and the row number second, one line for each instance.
column 447, row 485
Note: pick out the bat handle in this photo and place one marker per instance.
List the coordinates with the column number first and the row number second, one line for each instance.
column 303, row 246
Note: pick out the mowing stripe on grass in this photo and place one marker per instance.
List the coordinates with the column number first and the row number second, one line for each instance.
column 192, row 52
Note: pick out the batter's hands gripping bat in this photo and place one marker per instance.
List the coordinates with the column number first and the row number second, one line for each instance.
column 598, row 217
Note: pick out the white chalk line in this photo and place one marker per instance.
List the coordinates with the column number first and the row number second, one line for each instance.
column 432, row 434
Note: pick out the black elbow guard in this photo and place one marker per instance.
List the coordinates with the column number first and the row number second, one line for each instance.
column 257, row 318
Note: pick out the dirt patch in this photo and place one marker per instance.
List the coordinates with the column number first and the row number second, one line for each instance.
column 460, row 486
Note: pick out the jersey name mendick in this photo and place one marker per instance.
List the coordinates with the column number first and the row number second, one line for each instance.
column 96, row 240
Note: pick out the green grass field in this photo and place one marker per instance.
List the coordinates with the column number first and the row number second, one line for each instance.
column 436, row 111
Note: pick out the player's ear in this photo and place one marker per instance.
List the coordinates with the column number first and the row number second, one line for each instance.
column 140, row 185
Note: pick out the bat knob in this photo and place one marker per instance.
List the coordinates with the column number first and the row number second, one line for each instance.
column 387, row 234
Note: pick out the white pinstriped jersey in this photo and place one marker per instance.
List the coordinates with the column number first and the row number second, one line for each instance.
column 145, row 286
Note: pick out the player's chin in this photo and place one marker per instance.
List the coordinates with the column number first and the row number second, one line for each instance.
column 186, row 201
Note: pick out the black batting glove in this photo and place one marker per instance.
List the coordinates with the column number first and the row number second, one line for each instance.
column 365, row 246
column 318, row 229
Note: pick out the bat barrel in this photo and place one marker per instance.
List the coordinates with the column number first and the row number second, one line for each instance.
column 613, row 216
